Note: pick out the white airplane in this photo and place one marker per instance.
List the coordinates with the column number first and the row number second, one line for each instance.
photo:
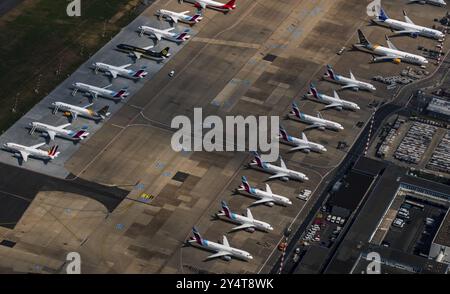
column 390, row 53
column 332, row 102
column 246, row 222
column 314, row 122
column 75, row 111
column 203, row 4
column 441, row 3
column 348, row 83
column 32, row 151
column 265, row 197
column 122, row 71
column 60, row 131
column 279, row 172
column 176, row 16
column 224, row 250
column 164, row 34
column 302, row 144
column 94, row 91
column 406, row 27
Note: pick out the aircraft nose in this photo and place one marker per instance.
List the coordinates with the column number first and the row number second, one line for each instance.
column 250, row 257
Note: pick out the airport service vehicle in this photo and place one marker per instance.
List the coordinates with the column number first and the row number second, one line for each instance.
column 95, row 92
column 75, row 111
column 407, row 27
column 176, row 17
column 390, row 53
column 59, row 131
column 347, row 82
column 278, row 172
column 123, row 71
column 302, row 144
column 24, row 152
column 224, row 250
column 203, row 4
column 331, row 102
column 246, row 222
column 138, row 52
column 265, row 197
column 441, row 3
column 315, row 122
column 305, row 195
column 166, row 34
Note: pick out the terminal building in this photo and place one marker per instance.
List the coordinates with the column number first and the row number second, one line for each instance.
column 439, row 108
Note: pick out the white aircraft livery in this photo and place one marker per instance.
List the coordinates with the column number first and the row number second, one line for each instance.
column 179, row 16
column 246, row 222
column 302, row 144
column 348, row 83
column 390, row 53
column 315, row 122
column 331, row 102
column 95, row 92
column 75, row 111
column 265, row 197
column 60, row 131
column 406, row 27
column 115, row 71
column 278, row 172
column 224, row 250
column 165, row 34
column 203, row 4
column 33, row 151
column 441, row 3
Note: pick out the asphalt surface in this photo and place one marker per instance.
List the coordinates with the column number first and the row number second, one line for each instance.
column 400, row 101
column 18, row 188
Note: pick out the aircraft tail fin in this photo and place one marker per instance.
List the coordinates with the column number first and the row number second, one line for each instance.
column 198, row 238
column 330, row 72
column 313, row 90
column 246, row 185
column 165, row 52
column 103, row 112
column 284, row 134
column 53, row 152
column 295, row 109
column 226, row 209
column 362, row 38
column 382, row 15
column 258, row 160
column 230, row 5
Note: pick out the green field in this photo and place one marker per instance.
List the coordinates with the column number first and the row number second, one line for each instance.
column 41, row 46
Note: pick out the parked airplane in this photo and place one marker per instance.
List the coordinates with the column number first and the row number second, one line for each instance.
column 224, row 250
column 203, row 4
column 332, row 102
column 94, row 91
column 441, row 3
column 348, row 83
column 75, row 111
column 60, row 131
column 279, row 172
column 406, row 27
column 387, row 54
column 122, row 71
column 246, row 222
column 138, row 52
column 165, row 34
column 32, row 151
column 302, row 144
column 265, row 197
column 182, row 17
column 314, row 122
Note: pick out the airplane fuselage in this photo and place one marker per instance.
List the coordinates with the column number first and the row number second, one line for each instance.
column 60, row 132
column 37, row 153
column 69, row 108
column 308, row 145
column 240, row 219
column 344, row 104
column 359, row 84
column 277, row 199
column 405, row 26
column 212, row 5
column 320, row 122
column 274, row 169
column 170, row 16
column 397, row 55
column 216, row 247
column 169, row 36
column 137, row 51
column 98, row 91
column 123, row 72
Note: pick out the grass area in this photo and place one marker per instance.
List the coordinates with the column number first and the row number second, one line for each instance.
column 42, row 46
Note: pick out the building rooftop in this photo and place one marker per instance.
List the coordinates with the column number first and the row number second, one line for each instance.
column 443, row 234
column 439, row 106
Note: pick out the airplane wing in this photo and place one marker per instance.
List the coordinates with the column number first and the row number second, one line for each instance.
column 174, row 19
column 300, row 147
column 283, row 165
column 261, row 201
column 94, row 94
column 37, row 145
column 386, row 58
column 391, row 46
column 349, row 86
column 316, row 125
column 225, row 241
column 126, row 66
column 113, row 73
column 405, row 32
column 333, row 105
column 352, row 76
column 158, row 36
column 407, row 19
column 51, row 134
column 74, row 115
column 24, row 155
column 242, row 227
column 268, row 190
column 249, row 214
column 278, row 175
column 137, row 55
column 148, row 48
column 218, row 254
column 64, row 126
